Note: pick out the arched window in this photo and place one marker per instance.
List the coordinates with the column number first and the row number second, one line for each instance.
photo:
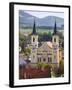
column 49, row 59
column 39, row 59
column 33, row 39
column 44, row 59
column 54, row 39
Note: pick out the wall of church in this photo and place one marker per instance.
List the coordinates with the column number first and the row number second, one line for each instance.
column 44, row 59
column 34, row 40
column 55, row 40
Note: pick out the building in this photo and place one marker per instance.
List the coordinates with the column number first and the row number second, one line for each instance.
column 55, row 42
column 30, row 73
column 34, row 44
column 44, row 53
column 49, row 52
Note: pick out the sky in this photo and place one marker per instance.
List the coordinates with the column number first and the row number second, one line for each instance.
column 40, row 14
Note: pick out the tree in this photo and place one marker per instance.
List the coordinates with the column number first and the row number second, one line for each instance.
column 27, row 52
column 59, row 70
column 45, row 36
column 22, row 41
column 56, row 72
column 49, row 36
column 39, row 65
column 61, row 67
column 61, row 35
column 44, row 65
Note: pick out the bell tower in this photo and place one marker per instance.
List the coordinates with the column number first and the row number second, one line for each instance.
column 55, row 41
column 34, row 37
column 34, row 43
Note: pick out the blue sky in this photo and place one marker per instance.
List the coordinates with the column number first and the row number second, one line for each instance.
column 40, row 14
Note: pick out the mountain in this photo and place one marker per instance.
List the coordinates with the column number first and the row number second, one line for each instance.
column 27, row 20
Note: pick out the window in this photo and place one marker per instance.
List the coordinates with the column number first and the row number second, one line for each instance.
column 54, row 39
column 49, row 59
column 33, row 39
column 39, row 59
column 44, row 59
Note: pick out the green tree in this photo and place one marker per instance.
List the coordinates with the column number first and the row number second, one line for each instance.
column 44, row 65
column 59, row 70
column 22, row 41
column 61, row 35
column 27, row 51
column 61, row 67
column 56, row 72
column 39, row 65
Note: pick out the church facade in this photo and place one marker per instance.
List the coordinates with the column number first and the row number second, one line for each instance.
column 49, row 52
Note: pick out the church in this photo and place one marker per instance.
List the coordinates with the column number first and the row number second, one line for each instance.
column 49, row 52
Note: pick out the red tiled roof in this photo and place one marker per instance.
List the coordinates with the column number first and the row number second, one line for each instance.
column 35, row 73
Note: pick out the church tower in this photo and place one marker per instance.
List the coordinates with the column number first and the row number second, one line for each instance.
column 55, row 41
column 34, row 43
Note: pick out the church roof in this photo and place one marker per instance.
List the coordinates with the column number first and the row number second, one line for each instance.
column 55, row 29
column 49, row 44
column 34, row 29
column 45, row 46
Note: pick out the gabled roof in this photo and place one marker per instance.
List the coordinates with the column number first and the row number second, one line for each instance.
column 45, row 46
column 49, row 44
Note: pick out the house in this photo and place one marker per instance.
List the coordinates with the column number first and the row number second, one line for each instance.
column 29, row 73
